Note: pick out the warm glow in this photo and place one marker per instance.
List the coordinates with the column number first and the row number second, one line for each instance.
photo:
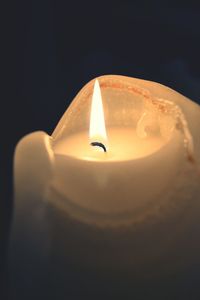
column 97, row 121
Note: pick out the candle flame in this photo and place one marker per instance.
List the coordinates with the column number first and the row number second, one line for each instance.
column 97, row 130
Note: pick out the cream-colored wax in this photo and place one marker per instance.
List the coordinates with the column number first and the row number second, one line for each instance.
column 123, row 144
column 134, row 208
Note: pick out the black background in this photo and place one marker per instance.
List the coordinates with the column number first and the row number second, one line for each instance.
column 50, row 49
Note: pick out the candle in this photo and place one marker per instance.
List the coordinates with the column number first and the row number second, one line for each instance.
column 119, row 174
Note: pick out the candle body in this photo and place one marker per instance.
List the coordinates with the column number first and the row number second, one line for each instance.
column 115, row 230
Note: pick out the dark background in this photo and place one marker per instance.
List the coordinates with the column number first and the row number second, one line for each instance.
column 50, row 49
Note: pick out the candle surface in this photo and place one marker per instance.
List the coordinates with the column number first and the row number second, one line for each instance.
column 123, row 144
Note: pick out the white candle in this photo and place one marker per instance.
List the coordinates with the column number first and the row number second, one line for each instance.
column 138, row 189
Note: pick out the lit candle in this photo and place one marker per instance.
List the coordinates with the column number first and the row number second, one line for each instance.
column 121, row 170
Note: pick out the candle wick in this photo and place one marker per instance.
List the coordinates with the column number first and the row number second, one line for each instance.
column 99, row 145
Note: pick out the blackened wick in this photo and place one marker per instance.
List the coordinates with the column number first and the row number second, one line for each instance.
column 97, row 144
